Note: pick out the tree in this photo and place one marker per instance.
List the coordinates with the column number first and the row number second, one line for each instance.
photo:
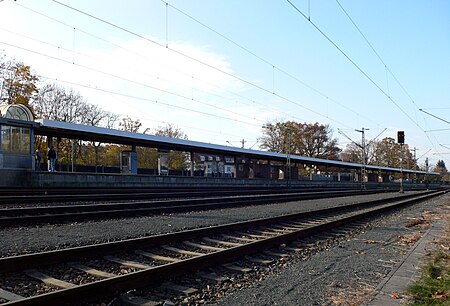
column 274, row 137
column 440, row 166
column 58, row 103
column 18, row 85
column 305, row 139
column 442, row 169
column 177, row 160
column 384, row 153
column 171, row 131
column 130, row 125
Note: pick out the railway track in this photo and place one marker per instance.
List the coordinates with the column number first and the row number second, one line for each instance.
column 52, row 214
column 35, row 196
column 13, row 197
column 109, row 268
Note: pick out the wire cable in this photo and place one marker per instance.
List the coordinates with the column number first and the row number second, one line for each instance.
column 274, row 67
column 360, row 69
column 144, row 57
column 352, row 62
column 200, row 62
column 121, row 94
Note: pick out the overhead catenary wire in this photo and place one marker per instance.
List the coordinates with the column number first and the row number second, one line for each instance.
column 128, row 50
column 253, row 101
column 209, row 131
column 272, row 65
column 276, row 68
column 361, row 70
column 122, row 94
column 353, row 63
column 439, row 118
column 201, row 62
column 138, row 83
column 384, row 64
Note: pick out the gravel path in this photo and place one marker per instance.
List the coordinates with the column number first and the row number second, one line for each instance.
column 346, row 271
column 21, row 240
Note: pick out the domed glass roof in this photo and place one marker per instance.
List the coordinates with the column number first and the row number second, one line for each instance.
column 16, row 111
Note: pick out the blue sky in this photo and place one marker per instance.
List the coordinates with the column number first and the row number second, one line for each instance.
column 272, row 65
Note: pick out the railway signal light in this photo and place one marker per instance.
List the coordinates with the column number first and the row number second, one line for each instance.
column 401, row 137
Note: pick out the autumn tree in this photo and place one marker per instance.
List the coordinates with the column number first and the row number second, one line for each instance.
column 305, row 139
column 62, row 104
column 171, row 131
column 442, row 169
column 58, row 103
column 177, row 160
column 18, row 85
column 384, row 153
column 130, row 125
column 275, row 137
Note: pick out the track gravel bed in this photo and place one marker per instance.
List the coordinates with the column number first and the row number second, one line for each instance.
column 22, row 240
column 343, row 271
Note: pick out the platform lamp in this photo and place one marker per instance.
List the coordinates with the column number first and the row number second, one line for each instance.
column 401, row 141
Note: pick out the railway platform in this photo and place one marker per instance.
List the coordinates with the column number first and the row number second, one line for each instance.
column 43, row 179
column 390, row 292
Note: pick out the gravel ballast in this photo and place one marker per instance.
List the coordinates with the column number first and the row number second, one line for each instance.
column 22, row 240
column 347, row 272
column 341, row 270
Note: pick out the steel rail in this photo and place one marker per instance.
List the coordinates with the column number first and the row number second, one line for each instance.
column 51, row 196
column 52, row 257
column 27, row 215
column 151, row 275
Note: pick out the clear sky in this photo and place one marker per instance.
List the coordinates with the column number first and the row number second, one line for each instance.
column 219, row 69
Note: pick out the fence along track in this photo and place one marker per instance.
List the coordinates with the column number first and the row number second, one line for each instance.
column 246, row 238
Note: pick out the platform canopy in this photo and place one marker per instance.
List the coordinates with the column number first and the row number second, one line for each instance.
column 67, row 130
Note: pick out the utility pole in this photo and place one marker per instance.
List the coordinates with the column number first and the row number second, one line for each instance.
column 364, row 158
column 401, row 168
column 241, row 141
column 415, row 167
column 289, row 157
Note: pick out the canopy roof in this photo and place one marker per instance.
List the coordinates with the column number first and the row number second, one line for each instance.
column 92, row 133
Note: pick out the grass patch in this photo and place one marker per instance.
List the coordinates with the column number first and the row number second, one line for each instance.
column 433, row 288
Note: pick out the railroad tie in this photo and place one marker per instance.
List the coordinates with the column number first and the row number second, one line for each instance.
column 291, row 249
column 239, row 238
column 273, row 229
column 232, row 244
column 293, row 225
column 178, row 288
column 9, row 296
column 128, row 263
column 89, row 270
column 276, row 254
column 156, row 257
column 202, row 246
column 48, row 279
column 259, row 260
column 213, row 277
column 131, row 300
column 236, row 268
column 252, row 235
column 298, row 224
column 180, row 251
column 285, row 228
column 267, row 233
